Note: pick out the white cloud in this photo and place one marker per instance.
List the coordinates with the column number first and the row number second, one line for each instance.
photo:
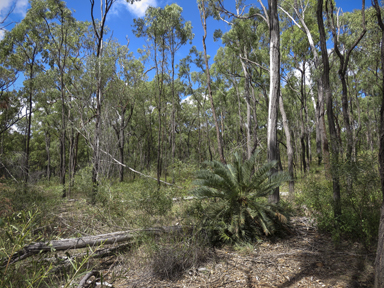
column 21, row 7
column 2, row 32
column 5, row 4
column 137, row 8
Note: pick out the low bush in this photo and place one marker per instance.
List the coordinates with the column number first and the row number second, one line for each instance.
column 360, row 200
column 235, row 207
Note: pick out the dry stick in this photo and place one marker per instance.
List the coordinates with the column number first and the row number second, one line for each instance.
column 8, row 172
column 133, row 170
column 86, row 277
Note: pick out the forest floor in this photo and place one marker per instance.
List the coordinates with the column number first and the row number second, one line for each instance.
column 307, row 258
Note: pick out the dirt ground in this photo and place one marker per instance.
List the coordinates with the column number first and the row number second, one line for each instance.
column 305, row 259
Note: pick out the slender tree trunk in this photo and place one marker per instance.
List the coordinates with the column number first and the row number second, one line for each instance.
column 274, row 89
column 247, row 100
column 318, row 129
column 219, row 138
column 344, row 59
column 369, row 135
column 302, row 141
column 289, row 145
column 47, row 150
column 379, row 263
column 173, row 124
column 330, row 115
column 121, row 149
column 240, row 130
column 29, row 123
column 72, row 160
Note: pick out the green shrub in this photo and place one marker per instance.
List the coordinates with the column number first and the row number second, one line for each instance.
column 17, row 231
column 360, row 200
column 237, row 208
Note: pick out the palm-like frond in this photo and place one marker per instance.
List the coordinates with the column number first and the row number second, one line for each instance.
column 242, row 212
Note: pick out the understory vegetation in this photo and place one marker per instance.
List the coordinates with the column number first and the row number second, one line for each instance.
column 154, row 156
column 230, row 207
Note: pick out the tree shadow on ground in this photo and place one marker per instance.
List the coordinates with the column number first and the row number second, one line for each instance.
column 348, row 265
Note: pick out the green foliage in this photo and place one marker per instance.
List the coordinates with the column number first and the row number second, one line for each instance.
column 237, row 209
column 361, row 201
column 17, row 231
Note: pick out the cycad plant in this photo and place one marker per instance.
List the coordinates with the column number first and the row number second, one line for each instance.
column 239, row 210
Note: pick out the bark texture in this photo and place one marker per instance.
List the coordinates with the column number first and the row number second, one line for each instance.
column 274, row 89
column 379, row 263
column 289, row 145
column 219, row 137
column 330, row 115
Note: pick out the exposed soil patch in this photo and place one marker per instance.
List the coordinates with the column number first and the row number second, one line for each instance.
column 306, row 259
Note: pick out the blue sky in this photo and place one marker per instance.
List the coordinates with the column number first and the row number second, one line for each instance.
column 120, row 19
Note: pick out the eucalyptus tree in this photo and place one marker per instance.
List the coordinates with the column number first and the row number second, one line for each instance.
column 98, row 28
column 10, row 106
column 196, row 97
column 330, row 115
column 153, row 27
column 296, row 63
column 204, row 13
column 244, row 40
column 47, row 114
column 122, row 92
column 23, row 44
column 178, row 34
column 167, row 31
column 379, row 262
column 99, row 32
column 343, row 52
column 302, row 15
column 271, row 18
column 63, row 48
column 274, row 88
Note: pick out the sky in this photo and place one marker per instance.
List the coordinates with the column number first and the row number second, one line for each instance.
column 120, row 19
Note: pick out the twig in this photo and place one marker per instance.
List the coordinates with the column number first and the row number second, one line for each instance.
column 133, row 170
column 86, row 277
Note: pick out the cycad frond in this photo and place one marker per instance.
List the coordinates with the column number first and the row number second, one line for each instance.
column 241, row 212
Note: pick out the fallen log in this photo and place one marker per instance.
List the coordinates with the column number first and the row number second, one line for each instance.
column 86, row 241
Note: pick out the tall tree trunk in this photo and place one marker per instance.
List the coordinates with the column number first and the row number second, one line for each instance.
column 318, row 129
column 344, row 59
column 71, row 159
column 47, row 150
column 240, row 118
column 256, row 124
column 289, row 145
column 248, row 101
column 62, row 135
column 219, row 138
column 369, row 135
column 330, row 115
column 319, row 81
column 99, row 33
column 29, row 123
column 303, row 133
column 173, row 124
column 274, row 89
column 379, row 263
